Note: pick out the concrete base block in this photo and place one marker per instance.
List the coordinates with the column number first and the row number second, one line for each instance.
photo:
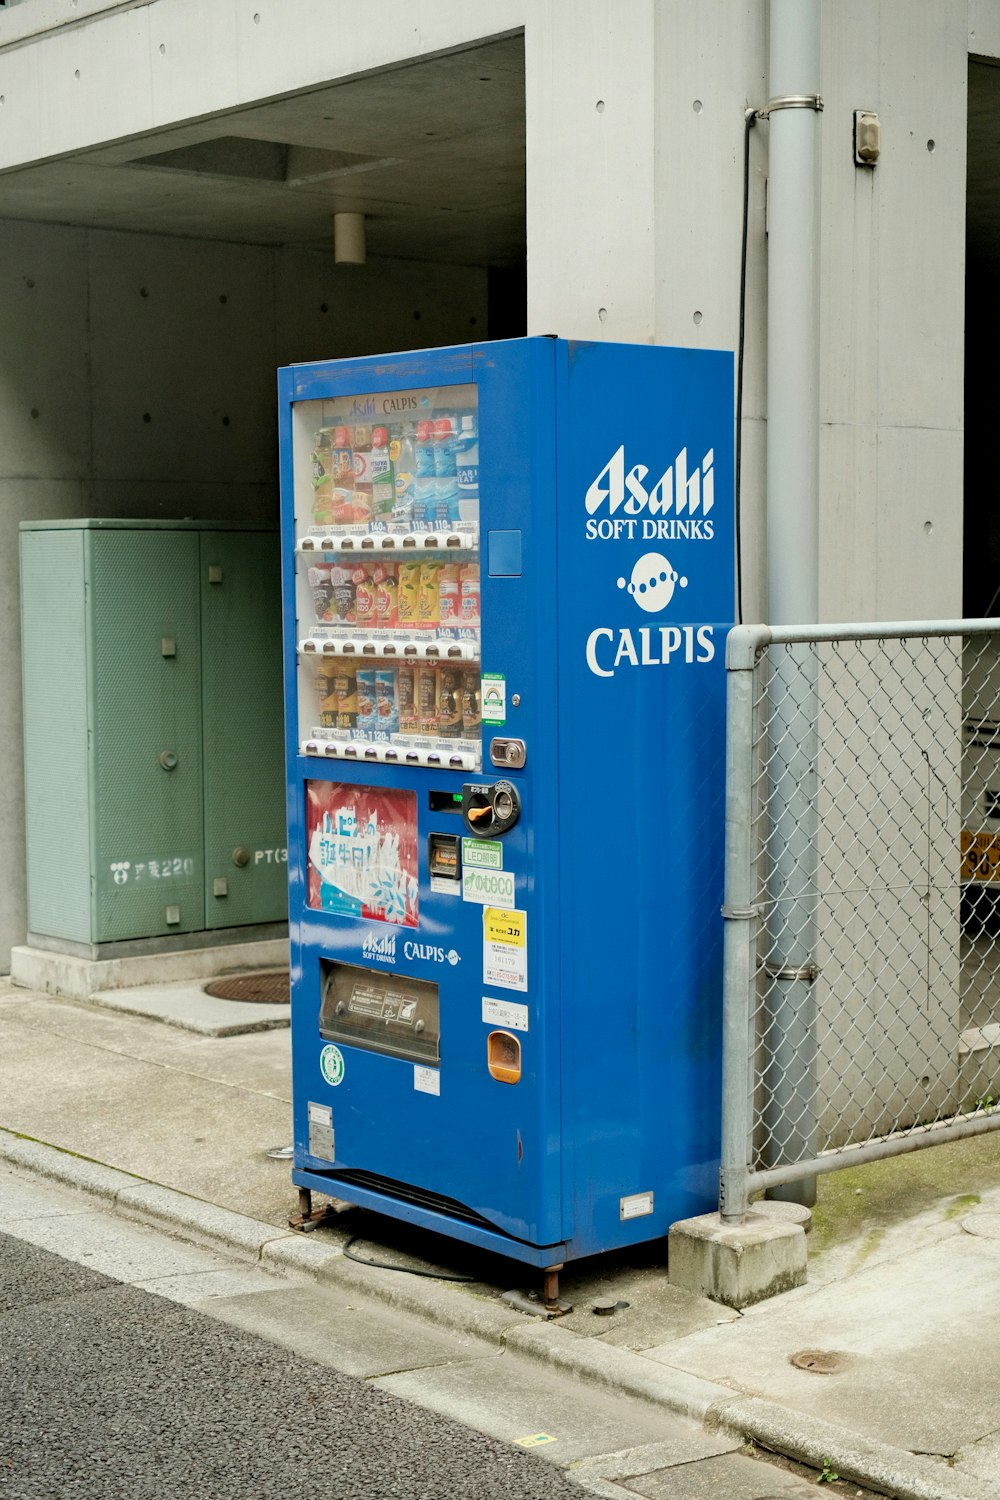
column 80, row 978
column 736, row 1264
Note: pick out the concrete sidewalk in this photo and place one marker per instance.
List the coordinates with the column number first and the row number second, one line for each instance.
column 173, row 1125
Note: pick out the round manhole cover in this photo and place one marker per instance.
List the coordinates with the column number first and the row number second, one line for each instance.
column 258, row 989
column 818, row 1361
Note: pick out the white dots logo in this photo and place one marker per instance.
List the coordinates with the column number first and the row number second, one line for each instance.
column 652, row 582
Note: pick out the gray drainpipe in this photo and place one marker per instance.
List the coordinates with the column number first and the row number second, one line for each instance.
column 789, row 944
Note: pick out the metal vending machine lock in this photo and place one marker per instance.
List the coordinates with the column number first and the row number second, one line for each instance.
column 488, row 810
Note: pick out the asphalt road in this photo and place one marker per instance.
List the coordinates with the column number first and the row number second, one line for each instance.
column 109, row 1391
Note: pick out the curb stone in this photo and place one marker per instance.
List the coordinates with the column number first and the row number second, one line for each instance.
column 880, row 1466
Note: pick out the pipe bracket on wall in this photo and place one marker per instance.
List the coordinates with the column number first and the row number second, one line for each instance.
column 791, row 101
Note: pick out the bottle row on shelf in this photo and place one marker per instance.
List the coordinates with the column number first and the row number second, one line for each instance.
column 424, row 595
column 401, row 477
column 401, row 702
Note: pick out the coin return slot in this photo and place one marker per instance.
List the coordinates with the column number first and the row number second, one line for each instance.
column 444, row 858
column 503, row 1056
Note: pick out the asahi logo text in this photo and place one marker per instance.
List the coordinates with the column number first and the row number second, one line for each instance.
column 675, row 507
column 379, row 947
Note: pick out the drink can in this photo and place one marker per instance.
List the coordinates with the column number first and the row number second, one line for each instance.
column 448, row 594
column 346, row 696
column 449, row 724
column 364, row 597
column 319, row 582
column 367, row 716
column 386, row 703
column 326, row 692
column 409, row 722
column 386, row 595
column 470, row 605
column 341, row 610
column 472, row 711
column 427, row 702
column 408, row 595
column 430, row 595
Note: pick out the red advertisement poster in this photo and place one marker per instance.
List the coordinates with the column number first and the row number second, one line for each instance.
column 362, row 844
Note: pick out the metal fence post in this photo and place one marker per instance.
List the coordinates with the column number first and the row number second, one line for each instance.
column 740, row 931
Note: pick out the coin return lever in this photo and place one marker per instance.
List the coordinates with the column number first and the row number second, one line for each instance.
column 490, row 810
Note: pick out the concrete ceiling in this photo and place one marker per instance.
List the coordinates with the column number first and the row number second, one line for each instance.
column 432, row 153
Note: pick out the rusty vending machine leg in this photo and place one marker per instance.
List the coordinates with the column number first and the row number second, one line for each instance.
column 550, row 1286
column 304, row 1215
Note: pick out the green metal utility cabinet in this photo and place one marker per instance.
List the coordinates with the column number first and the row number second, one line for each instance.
column 154, row 781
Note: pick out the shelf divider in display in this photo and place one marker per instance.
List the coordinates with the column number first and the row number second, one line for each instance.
column 409, row 649
column 440, row 754
column 406, row 543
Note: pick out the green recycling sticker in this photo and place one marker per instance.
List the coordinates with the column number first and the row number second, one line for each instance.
column 331, row 1065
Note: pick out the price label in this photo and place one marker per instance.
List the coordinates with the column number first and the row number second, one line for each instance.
column 489, row 887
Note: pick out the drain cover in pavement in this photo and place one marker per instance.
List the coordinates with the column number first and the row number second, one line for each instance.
column 819, row 1361
column 258, row 989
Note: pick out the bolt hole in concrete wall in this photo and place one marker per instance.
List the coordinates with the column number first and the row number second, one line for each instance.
column 161, row 403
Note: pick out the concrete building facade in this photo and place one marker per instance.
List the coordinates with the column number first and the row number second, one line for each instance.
column 168, row 174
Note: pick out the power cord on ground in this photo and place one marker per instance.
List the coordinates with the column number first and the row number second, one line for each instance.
column 381, row 1265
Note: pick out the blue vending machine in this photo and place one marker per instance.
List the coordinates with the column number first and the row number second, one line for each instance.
column 508, row 579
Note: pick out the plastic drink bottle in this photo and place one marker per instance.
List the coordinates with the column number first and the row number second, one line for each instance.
column 383, row 481
column 467, row 470
column 363, row 489
column 403, row 453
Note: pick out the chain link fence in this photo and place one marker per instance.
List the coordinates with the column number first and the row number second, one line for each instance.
column 862, row 943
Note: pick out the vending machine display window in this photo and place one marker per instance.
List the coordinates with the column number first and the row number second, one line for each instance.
column 386, row 501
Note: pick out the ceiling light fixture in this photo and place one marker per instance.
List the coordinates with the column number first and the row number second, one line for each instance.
column 349, row 239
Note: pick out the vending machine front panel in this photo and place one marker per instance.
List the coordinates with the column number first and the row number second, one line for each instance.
column 504, row 767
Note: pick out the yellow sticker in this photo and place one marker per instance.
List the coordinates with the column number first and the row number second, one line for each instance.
column 535, row 1440
column 507, row 927
column 980, row 856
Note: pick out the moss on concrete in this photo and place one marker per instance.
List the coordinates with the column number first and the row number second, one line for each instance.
column 867, row 1200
